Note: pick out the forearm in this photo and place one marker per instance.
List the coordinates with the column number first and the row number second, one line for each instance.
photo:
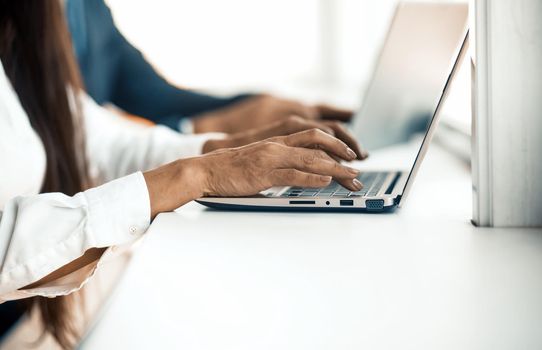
column 142, row 91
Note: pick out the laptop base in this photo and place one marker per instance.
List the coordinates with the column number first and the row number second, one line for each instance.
column 291, row 208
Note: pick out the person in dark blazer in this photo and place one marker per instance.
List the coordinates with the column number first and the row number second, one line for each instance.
column 114, row 71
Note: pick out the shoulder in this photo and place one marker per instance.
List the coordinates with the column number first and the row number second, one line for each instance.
column 95, row 11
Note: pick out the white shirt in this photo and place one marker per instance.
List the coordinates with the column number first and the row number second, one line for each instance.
column 40, row 233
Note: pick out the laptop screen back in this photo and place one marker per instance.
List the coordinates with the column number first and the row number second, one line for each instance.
column 411, row 72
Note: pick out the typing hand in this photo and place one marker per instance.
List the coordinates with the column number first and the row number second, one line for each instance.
column 288, row 126
column 304, row 159
column 262, row 110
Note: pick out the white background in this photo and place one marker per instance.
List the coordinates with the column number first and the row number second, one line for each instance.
column 308, row 49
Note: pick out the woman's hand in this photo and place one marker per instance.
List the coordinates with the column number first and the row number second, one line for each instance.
column 304, row 159
column 262, row 110
column 290, row 125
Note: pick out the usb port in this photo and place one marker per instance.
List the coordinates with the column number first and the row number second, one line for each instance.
column 347, row 202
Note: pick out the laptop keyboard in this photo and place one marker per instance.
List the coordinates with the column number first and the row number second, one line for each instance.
column 372, row 183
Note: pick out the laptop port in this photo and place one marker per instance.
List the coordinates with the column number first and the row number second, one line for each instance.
column 374, row 204
column 302, row 202
column 346, row 202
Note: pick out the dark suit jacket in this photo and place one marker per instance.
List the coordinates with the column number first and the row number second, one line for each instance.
column 114, row 71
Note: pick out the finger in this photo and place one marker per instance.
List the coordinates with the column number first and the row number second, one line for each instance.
column 335, row 158
column 350, row 184
column 296, row 124
column 344, row 135
column 315, row 138
column 317, row 162
column 302, row 110
column 292, row 125
column 293, row 177
column 332, row 113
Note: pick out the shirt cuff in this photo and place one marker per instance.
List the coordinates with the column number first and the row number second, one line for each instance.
column 119, row 211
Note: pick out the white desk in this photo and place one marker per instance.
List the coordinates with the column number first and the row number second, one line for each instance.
column 420, row 278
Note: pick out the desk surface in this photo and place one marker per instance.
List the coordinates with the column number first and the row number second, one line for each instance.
column 420, row 278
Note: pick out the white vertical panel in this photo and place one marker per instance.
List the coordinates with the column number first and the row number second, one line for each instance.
column 480, row 130
column 508, row 113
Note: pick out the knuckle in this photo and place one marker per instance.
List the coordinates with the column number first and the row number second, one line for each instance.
column 321, row 133
column 290, row 175
column 321, row 154
column 309, row 158
column 275, row 140
column 265, row 145
column 330, row 131
column 277, row 147
column 314, row 132
column 270, row 146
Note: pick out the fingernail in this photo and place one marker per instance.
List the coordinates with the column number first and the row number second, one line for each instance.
column 364, row 154
column 351, row 153
column 325, row 178
column 353, row 171
column 358, row 185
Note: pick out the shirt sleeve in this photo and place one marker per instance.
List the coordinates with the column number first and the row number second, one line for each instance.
column 41, row 233
column 117, row 146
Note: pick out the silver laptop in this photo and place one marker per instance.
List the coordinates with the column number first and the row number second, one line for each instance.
column 425, row 44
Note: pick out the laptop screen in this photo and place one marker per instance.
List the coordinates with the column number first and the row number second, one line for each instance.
column 410, row 74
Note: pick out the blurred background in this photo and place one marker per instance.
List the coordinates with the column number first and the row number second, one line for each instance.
column 313, row 50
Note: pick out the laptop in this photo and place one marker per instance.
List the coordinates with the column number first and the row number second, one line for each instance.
column 421, row 55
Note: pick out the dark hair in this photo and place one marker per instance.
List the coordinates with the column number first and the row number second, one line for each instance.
column 37, row 55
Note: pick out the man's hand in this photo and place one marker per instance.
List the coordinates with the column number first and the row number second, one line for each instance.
column 284, row 127
column 328, row 112
column 262, row 110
